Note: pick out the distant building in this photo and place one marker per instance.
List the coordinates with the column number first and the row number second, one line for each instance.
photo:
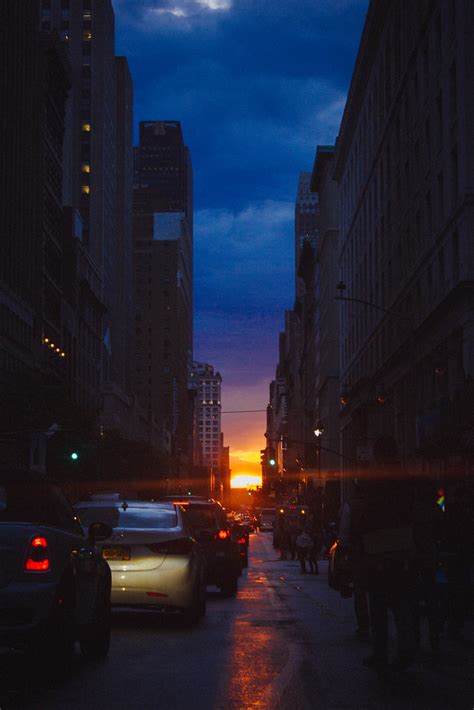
column 163, row 266
column 306, row 217
column 208, row 413
column 405, row 173
column 327, row 332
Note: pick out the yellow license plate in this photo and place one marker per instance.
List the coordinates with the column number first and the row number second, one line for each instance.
column 116, row 553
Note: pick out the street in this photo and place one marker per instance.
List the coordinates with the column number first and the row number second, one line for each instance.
column 286, row 642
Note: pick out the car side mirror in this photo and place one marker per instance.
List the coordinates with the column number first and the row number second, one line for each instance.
column 99, row 531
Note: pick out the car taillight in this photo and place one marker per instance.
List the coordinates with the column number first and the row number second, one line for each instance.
column 37, row 559
column 242, row 541
column 179, row 546
column 223, row 534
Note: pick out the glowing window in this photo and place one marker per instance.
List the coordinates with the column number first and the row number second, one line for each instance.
column 86, row 190
column 86, row 168
column 87, row 36
column 86, row 127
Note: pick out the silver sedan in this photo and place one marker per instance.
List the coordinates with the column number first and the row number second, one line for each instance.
column 155, row 561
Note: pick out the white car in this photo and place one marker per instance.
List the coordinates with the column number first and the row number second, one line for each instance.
column 155, row 561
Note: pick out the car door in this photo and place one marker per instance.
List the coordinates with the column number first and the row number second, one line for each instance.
column 91, row 572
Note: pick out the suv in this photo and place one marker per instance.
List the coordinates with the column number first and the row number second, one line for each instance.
column 54, row 585
column 209, row 523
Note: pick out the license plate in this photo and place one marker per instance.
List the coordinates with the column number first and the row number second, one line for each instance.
column 116, row 553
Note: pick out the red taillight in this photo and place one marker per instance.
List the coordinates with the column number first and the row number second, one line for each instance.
column 223, row 534
column 242, row 541
column 37, row 559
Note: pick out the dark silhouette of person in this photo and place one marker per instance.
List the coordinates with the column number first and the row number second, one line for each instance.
column 457, row 557
column 428, row 531
column 349, row 522
column 384, row 531
column 304, row 543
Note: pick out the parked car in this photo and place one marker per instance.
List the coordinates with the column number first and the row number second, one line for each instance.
column 267, row 519
column 156, row 563
column 340, row 569
column 54, row 584
column 209, row 522
column 241, row 534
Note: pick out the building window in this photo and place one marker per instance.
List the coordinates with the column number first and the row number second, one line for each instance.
column 85, row 189
column 86, row 127
column 86, row 168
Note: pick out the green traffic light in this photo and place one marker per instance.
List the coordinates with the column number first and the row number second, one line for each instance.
column 272, row 462
column 74, row 456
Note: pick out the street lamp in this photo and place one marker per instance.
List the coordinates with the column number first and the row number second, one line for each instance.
column 319, row 430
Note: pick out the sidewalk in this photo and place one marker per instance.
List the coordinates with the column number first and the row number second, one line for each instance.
column 326, row 624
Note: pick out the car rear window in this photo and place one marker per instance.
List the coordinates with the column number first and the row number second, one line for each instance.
column 201, row 517
column 36, row 503
column 138, row 518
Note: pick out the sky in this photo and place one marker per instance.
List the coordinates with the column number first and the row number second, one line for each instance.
column 257, row 85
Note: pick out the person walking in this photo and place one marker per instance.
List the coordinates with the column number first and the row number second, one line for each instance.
column 314, row 552
column 304, row 544
column 457, row 556
column 427, row 529
column 348, row 540
column 283, row 537
column 385, row 534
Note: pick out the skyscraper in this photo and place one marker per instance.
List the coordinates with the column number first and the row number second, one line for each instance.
column 208, row 412
column 97, row 187
column 306, row 216
column 163, row 249
column 35, row 80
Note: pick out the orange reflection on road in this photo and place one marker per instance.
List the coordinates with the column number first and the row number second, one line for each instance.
column 257, row 652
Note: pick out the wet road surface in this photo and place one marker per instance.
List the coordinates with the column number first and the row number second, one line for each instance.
column 286, row 642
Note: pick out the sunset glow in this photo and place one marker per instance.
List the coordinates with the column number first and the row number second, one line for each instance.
column 245, row 480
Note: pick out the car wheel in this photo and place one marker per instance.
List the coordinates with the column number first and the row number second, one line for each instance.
column 54, row 644
column 192, row 614
column 96, row 643
column 230, row 585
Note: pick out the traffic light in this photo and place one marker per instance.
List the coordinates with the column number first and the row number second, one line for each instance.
column 263, row 457
column 74, row 456
column 272, row 458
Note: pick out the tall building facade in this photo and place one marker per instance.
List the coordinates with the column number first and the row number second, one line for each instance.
column 118, row 390
column 163, row 266
column 97, row 192
column 306, row 216
column 208, row 413
column 35, row 84
column 326, row 386
column 405, row 169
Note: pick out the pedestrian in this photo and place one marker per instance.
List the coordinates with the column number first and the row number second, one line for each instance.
column 349, row 541
column 457, row 556
column 427, row 530
column 313, row 553
column 304, row 544
column 385, row 534
column 283, row 537
column 292, row 530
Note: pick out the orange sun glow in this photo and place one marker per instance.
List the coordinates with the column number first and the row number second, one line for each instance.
column 245, row 480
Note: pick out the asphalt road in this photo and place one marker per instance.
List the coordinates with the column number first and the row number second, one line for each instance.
column 286, row 642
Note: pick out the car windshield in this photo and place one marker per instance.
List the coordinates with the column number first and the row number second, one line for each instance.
column 138, row 518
